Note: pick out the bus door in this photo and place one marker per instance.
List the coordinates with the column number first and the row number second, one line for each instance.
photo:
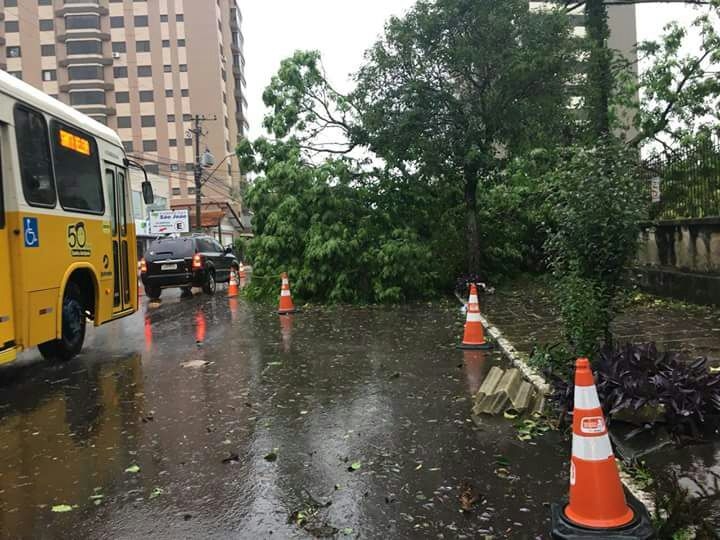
column 115, row 186
column 7, row 323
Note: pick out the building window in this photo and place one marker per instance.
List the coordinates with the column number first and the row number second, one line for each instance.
column 10, row 3
column 13, row 52
column 166, row 43
column 174, row 167
column 191, row 190
column 49, row 75
column 176, row 191
column 144, row 71
column 124, row 122
column 189, row 166
column 44, row 2
column 119, row 47
column 117, row 22
column 181, row 42
column 93, row 97
column 12, row 26
column 128, row 146
column 147, row 121
column 179, row 17
column 82, row 22
column 163, row 18
column 85, row 73
column 172, row 143
column 47, row 50
column 188, row 142
column 185, row 92
column 141, row 20
column 120, row 72
column 149, row 146
column 183, row 68
column 147, row 96
column 34, row 154
column 187, row 117
column 142, row 46
column 77, row 174
column 167, row 68
column 151, row 168
column 46, row 25
column 170, row 118
column 87, row 46
column 122, row 97
column 16, row 74
column 169, row 93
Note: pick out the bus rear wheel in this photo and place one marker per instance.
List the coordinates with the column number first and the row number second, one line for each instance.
column 73, row 328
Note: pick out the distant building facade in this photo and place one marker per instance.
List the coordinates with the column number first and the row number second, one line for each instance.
column 143, row 67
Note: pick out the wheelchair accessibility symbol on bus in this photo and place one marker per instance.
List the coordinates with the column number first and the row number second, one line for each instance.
column 31, row 234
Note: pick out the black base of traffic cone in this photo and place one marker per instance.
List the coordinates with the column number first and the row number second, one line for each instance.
column 484, row 347
column 639, row 528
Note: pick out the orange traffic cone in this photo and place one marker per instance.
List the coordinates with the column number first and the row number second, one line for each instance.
column 474, row 337
column 232, row 285
column 286, row 303
column 598, row 506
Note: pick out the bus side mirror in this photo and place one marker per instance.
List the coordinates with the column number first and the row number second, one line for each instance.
column 147, row 191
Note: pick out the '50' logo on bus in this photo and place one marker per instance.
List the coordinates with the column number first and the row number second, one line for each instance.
column 77, row 240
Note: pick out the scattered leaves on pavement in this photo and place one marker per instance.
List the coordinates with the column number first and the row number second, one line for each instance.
column 132, row 469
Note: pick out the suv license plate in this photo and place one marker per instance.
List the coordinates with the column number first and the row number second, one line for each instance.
column 168, row 267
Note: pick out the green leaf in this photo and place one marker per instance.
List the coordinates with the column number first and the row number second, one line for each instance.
column 61, row 508
column 133, row 469
column 355, row 465
column 156, row 492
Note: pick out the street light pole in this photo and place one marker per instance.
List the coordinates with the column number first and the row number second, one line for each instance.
column 197, row 132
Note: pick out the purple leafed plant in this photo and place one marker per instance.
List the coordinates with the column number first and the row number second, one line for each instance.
column 684, row 395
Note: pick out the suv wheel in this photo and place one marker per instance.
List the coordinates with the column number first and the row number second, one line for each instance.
column 209, row 286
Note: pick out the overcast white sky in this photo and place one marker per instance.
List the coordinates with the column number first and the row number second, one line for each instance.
column 342, row 30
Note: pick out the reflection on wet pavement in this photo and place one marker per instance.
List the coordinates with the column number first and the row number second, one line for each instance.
column 365, row 409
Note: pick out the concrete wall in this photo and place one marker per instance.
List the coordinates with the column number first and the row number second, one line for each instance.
column 681, row 259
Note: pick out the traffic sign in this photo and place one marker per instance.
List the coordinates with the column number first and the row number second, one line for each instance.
column 169, row 221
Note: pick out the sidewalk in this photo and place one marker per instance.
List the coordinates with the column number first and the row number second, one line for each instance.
column 527, row 315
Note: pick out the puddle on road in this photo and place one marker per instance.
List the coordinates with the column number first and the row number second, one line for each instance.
column 365, row 409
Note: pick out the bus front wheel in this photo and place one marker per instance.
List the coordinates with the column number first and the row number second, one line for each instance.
column 73, row 328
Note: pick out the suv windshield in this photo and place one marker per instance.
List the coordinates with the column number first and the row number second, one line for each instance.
column 173, row 248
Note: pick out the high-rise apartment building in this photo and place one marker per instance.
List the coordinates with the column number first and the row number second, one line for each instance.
column 144, row 68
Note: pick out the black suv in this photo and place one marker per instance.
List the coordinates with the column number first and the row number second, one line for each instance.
column 186, row 262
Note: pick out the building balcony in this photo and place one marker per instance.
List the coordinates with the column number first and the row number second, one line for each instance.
column 86, row 59
column 86, row 6
column 89, row 33
column 86, row 85
column 96, row 109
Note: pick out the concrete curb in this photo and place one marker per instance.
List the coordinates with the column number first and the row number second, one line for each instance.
column 539, row 381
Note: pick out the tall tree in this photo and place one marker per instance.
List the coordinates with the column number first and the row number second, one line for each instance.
column 455, row 87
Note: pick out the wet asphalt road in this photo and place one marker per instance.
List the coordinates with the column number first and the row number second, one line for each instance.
column 365, row 409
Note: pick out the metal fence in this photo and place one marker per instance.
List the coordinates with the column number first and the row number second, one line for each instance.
column 688, row 185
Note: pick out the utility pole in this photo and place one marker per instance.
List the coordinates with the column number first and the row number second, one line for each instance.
column 197, row 132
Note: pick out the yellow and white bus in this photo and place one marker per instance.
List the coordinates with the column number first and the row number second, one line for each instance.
column 67, row 238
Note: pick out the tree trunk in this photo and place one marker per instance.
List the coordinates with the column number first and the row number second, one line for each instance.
column 471, row 225
column 599, row 81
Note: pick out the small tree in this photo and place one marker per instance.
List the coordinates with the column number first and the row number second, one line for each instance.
column 595, row 199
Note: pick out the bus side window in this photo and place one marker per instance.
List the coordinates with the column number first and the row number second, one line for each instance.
column 34, row 153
